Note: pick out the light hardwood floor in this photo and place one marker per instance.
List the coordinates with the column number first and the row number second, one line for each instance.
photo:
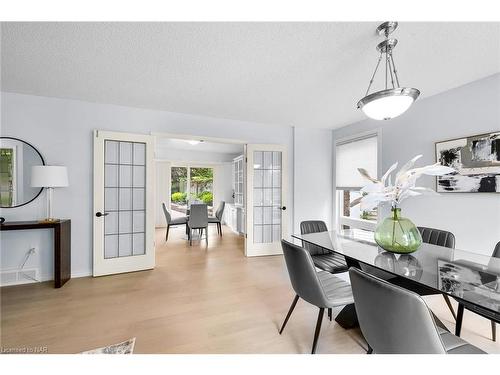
column 196, row 300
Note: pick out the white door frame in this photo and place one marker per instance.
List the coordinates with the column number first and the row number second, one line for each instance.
column 199, row 138
column 102, row 266
column 274, row 248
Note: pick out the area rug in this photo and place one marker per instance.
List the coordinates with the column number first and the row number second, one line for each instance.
column 125, row 347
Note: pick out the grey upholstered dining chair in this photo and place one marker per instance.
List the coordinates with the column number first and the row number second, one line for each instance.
column 440, row 238
column 321, row 289
column 172, row 222
column 395, row 320
column 198, row 219
column 323, row 259
column 477, row 310
column 217, row 219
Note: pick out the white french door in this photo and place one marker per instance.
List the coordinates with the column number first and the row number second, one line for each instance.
column 266, row 199
column 123, row 202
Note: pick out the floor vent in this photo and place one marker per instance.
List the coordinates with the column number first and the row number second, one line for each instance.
column 12, row 277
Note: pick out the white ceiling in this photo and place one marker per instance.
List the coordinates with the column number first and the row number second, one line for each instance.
column 179, row 144
column 301, row 74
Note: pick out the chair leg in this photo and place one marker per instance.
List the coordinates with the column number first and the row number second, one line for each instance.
column 370, row 350
column 318, row 329
column 206, row 234
column 460, row 318
column 190, row 237
column 493, row 331
column 220, row 229
column 330, row 314
column 166, row 236
column 447, row 300
column 295, row 299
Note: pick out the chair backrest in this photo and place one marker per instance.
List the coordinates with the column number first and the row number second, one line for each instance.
column 167, row 214
column 302, row 274
column 198, row 216
column 220, row 210
column 496, row 252
column 437, row 237
column 313, row 226
column 393, row 320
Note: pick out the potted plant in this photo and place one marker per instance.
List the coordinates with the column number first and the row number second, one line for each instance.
column 396, row 233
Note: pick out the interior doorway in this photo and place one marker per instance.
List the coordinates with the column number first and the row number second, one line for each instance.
column 250, row 180
column 193, row 171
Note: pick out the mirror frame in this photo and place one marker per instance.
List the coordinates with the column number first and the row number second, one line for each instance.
column 43, row 163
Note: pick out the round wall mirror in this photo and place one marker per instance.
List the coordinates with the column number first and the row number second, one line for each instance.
column 16, row 159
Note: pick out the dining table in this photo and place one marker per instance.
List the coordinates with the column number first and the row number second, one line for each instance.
column 472, row 279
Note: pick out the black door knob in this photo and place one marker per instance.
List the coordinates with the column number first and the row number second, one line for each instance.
column 99, row 214
column 283, row 208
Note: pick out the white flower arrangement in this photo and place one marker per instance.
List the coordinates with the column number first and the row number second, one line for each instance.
column 383, row 190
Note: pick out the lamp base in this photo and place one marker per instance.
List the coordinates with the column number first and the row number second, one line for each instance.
column 49, row 220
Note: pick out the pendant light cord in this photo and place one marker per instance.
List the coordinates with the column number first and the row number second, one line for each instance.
column 373, row 75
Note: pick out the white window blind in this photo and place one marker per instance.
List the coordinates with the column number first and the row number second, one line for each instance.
column 351, row 155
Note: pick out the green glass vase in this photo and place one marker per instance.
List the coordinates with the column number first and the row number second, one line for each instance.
column 398, row 234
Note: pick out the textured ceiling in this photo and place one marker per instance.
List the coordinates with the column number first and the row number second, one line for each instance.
column 301, row 74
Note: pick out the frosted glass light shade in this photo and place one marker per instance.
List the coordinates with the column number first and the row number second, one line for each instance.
column 49, row 176
column 388, row 104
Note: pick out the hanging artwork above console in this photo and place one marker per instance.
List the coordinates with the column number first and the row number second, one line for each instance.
column 477, row 161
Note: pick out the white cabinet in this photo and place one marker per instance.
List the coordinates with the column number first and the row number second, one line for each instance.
column 234, row 213
column 238, row 180
column 234, row 218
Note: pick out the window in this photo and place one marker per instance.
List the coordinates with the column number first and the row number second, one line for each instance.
column 350, row 155
column 191, row 184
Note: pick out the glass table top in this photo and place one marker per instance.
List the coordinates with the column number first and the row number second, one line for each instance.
column 471, row 278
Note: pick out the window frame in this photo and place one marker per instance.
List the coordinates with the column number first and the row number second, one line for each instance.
column 339, row 219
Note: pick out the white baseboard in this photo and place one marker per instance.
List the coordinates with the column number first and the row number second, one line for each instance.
column 49, row 277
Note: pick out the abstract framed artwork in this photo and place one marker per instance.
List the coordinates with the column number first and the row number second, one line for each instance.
column 476, row 160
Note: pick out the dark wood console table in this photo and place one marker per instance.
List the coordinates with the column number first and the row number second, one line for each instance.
column 62, row 244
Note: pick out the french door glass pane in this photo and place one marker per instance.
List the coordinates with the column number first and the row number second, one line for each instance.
column 267, row 196
column 124, row 198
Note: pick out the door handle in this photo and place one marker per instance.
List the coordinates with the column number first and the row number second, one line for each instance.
column 283, row 208
column 99, row 214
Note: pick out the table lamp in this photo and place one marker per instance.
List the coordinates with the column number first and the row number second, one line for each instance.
column 50, row 177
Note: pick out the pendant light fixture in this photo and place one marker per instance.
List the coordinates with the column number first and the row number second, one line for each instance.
column 392, row 101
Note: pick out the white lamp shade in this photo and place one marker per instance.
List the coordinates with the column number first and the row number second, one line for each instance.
column 49, row 176
column 388, row 104
column 387, row 107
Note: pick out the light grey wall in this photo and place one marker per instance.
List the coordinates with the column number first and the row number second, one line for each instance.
column 313, row 176
column 471, row 109
column 62, row 130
